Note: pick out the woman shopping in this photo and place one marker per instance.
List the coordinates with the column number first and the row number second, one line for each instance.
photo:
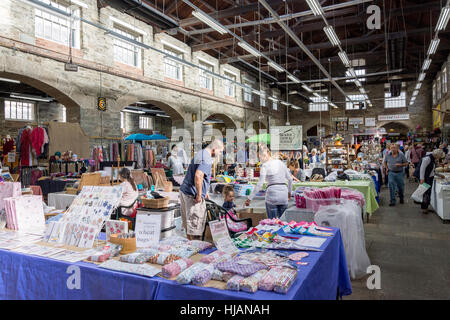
column 277, row 175
column 129, row 194
column 174, row 162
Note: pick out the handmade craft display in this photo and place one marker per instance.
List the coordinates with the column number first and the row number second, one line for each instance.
column 269, row 258
column 141, row 269
column 267, row 282
column 217, row 275
column 250, row 284
column 135, row 257
column 108, row 251
column 115, row 227
column 9, row 190
column 82, row 222
column 241, row 267
column 25, row 213
column 298, row 256
column 203, row 276
column 285, row 280
column 183, row 251
column 163, row 258
column 212, row 257
column 200, row 245
column 173, row 269
column 187, row 275
column 234, row 283
column 149, row 251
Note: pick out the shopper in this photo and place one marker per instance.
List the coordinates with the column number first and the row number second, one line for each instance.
column 323, row 155
column 395, row 162
column 174, row 162
column 408, row 158
column 297, row 173
column 314, row 158
column 129, row 192
column 228, row 197
column 276, row 174
column 194, row 190
column 182, row 155
column 425, row 172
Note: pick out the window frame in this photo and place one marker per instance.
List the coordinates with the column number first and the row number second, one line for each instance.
column 171, row 63
column 205, row 78
column 248, row 93
column 355, row 97
column 229, row 86
column 318, row 105
column 30, row 105
column 390, row 101
column 127, row 47
column 148, row 121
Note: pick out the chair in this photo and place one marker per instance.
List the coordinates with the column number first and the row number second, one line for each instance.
column 320, row 171
column 216, row 212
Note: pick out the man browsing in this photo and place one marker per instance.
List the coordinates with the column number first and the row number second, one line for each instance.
column 394, row 163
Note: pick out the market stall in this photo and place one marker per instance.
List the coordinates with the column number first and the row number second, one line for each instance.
column 440, row 197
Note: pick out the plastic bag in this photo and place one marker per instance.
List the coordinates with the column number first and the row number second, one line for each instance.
column 417, row 196
column 347, row 217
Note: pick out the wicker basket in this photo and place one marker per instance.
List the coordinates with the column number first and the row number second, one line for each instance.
column 128, row 244
column 155, row 203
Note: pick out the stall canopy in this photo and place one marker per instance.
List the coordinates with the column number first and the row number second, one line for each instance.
column 138, row 137
column 261, row 138
column 157, row 137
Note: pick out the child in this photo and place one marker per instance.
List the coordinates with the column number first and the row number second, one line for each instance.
column 228, row 196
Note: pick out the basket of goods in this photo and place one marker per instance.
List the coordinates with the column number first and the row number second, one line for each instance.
column 126, row 240
column 154, row 200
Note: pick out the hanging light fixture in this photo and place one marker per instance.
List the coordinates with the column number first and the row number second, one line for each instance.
column 209, row 21
column 443, row 19
column 315, row 7
column 276, row 66
column 332, row 36
column 249, row 49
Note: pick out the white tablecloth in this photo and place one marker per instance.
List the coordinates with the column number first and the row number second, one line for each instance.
column 60, row 200
column 440, row 199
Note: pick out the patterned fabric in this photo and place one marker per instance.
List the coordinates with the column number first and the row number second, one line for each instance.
column 298, row 256
column 241, row 267
column 200, row 245
column 110, row 250
column 148, row 251
column 217, row 275
column 267, row 282
column 183, row 251
column 235, row 226
column 202, row 277
column 235, row 283
column 163, row 258
column 243, row 243
column 173, row 269
column 285, row 280
column 187, row 275
column 141, row 269
column 136, row 257
column 269, row 258
column 212, row 257
column 250, row 284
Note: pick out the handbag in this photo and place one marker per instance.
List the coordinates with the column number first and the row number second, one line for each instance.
column 417, row 196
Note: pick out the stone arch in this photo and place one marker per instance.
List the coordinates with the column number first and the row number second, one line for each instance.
column 49, row 89
column 228, row 122
column 401, row 127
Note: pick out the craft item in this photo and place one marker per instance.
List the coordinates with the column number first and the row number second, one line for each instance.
column 183, row 251
column 186, row 276
column 148, row 229
column 217, row 275
column 250, row 284
column 163, row 258
column 135, row 257
column 285, row 280
column 212, row 257
column 174, row 241
column 174, row 268
column 267, row 282
column 148, row 251
column 234, row 283
column 241, row 267
column 298, row 256
column 115, row 227
column 227, row 276
column 128, row 244
column 25, row 213
column 202, row 277
column 141, row 269
column 110, row 250
column 200, row 245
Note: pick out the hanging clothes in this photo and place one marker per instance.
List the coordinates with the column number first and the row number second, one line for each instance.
column 8, row 146
column 37, row 140
column 25, row 148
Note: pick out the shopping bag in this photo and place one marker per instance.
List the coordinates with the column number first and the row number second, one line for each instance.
column 417, row 196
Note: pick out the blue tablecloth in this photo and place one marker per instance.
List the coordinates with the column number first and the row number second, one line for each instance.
column 32, row 277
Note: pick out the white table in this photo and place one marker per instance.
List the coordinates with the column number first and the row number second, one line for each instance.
column 440, row 198
column 60, row 200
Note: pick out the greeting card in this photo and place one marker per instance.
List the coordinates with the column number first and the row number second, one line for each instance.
column 115, row 227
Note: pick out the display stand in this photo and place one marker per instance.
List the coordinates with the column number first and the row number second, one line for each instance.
column 344, row 154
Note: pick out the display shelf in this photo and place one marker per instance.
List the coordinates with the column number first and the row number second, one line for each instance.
column 343, row 154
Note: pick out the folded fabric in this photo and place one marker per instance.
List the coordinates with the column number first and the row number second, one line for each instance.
column 148, row 251
column 186, row 276
column 135, row 257
column 202, row 277
column 217, row 275
column 269, row 258
column 174, row 268
column 250, row 284
column 241, row 267
column 183, row 251
column 200, row 245
column 163, row 258
column 100, row 256
column 108, row 251
column 235, row 283
column 267, row 282
column 212, row 257
column 227, row 276
column 298, row 256
column 285, row 280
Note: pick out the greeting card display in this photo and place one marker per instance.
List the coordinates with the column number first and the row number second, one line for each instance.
column 82, row 222
column 9, row 190
column 116, row 227
column 25, row 213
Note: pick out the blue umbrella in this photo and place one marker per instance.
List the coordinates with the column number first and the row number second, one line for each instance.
column 138, row 137
column 158, row 137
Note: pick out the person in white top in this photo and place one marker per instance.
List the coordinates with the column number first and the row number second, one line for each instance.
column 182, row 155
column 175, row 163
column 277, row 175
column 129, row 193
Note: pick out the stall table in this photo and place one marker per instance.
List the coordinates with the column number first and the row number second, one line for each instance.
column 53, row 185
column 440, row 199
column 32, row 277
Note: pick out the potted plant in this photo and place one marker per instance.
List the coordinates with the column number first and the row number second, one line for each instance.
column 338, row 140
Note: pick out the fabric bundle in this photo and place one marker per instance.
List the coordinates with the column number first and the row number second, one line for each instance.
column 351, row 194
column 250, row 284
column 235, row 283
column 267, row 282
column 212, row 257
column 183, row 251
column 202, row 277
column 174, row 268
column 285, row 280
column 322, row 197
column 241, row 267
column 200, row 245
column 135, row 257
column 187, row 275
column 110, row 250
column 163, row 258
column 217, row 275
column 25, row 213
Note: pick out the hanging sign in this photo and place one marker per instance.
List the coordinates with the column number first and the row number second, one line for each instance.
column 393, row 117
column 355, row 121
column 370, row 122
column 287, row 137
column 148, row 229
column 101, row 103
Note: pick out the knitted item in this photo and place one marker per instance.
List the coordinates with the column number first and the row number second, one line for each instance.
column 163, row 258
column 172, row 269
column 201, row 278
column 187, row 275
column 234, row 283
column 212, row 256
column 285, row 280
column 136, row 257
column 250, row 284
column 241, row 267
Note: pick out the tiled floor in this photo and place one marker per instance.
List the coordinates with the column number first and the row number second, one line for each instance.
column 412, row 250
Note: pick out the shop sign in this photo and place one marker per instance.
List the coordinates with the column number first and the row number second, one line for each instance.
column 341, row 119
column 370, row 122
column 393, row 117
column 355, row 121
column 221, row 236
column 101, row 103
column 286, row 137
column 148, row 229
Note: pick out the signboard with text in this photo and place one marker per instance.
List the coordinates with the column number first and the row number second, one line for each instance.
column 370, row 122
column 148, row 229
column 287, row 137
column 393, row 117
